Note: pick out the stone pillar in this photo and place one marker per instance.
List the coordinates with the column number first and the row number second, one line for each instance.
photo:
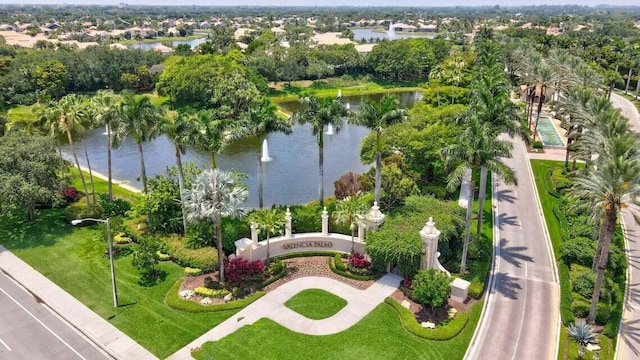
column 375, row 217
column 287, row 229
column 361, row 227
column 429, row 235
column 254, row 232
column 325, row 222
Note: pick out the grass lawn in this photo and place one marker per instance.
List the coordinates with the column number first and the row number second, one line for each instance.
column 316, row 304
column 74, row 258
column 101, row 186
column 379, row 335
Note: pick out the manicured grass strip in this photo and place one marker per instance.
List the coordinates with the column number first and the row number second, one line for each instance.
column 316, row 304
column 73, row 258
column 174, row 301
column 101, row 186
column 447, row 332
column 380, row 335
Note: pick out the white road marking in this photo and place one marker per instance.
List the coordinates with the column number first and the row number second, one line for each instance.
column 5, row 345
column 43, row 325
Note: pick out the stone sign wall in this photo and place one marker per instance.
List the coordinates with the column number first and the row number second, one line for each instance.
column 281, row 245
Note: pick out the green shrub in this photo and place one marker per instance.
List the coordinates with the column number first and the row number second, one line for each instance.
column 480, row 250
column 79, row 210
column 603, row 313
column 218, row 294
column 617, row 261
column 566, row 312
column 583, row 284
column 116, row 207
column 162, row 256
column 192, row 271
column 560, row 181
column 136, row 227
column 205, row 258
column 278, row 270
column 537, row 144
column 174, row 301
column 121, row 238
column 580, row 307
column 578, row 250
column 337, row 260
column 449, row 331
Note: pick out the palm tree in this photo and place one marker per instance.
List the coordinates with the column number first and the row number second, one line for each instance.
column 105, row 106
column 320, row 113
column 270, row 221
column 260, row 120
column 140, row 116
column 611, row 185
column 348, row 211
column 583, row 334
column 86, row 120
column 215, row 133
column 378, row 117
column 546, row 78
column 182, row 130
column 436, row 74
column 63, row 117
column 215, row 194
column 478, row 148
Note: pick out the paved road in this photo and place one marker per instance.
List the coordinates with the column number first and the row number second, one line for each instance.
column 28, row 330
column 629, row 336
column 521, row 317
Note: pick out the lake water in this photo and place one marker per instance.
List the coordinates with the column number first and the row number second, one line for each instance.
column 367, row 34
column 290, row 178
column 172, row 43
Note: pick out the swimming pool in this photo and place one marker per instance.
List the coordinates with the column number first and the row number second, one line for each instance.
column 548, row 133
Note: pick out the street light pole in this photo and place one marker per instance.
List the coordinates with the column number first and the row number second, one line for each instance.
column 110, row 242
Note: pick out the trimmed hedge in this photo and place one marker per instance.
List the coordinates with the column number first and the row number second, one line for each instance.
column 189, row 271
column 173, row 300
column 205, row 258
column 346, row 274
column 121, row 239
column 275, row 277
column 337, row 260
column 447, row 332
column 219, row 294
column 566, row 312
column 162, row 256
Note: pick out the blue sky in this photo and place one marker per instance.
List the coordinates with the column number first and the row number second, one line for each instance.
column 425, row 3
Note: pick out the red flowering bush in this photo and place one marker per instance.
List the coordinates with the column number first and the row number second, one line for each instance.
column 359, row 265
column 407, row 282
column 242, row 273
column 70, row 195
column 359, row 261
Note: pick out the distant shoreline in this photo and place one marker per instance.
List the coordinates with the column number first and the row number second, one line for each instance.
column 122, row 183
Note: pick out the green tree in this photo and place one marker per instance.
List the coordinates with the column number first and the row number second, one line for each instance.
column 431, row 287
column 145, row 258
column 104, row 106
column 271, row 221
column 377, row 117
column 320, row 113
column 63, row 117
column 28, row 173
column 215, row 194
column 51, row 76
column 140, row 116
column 349, row 211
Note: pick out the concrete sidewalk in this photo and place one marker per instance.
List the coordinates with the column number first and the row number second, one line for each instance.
column 90, row 324
column 359, row 304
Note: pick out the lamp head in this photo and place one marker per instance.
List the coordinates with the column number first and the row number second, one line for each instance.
column 75, row 222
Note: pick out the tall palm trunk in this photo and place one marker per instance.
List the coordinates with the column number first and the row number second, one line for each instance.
column 218, row 225
column 626, row 88
column 63, row 168
column 535, row 128
column 109, row 175
column 86, row 154
column 531, row 96
column 321, row 168
column 75, row 157
column 181, row 186
column 482, row 193
column 467, row 227
column 606, row 233
column 143, row 170
column 212, row 156
column 638, row 84
column 378, row 184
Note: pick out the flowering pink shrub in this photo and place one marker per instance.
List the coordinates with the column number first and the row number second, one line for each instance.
column 242, row 273
column 70, row 195
column 358, row 261
column 407, row 282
